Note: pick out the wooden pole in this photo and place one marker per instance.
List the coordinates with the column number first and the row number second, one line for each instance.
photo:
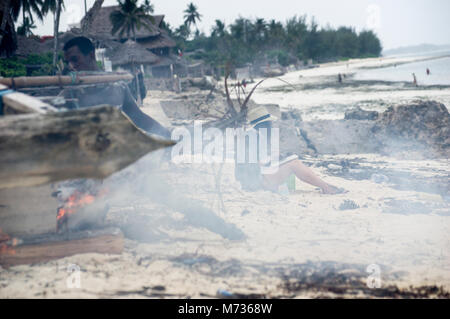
column 37, row 81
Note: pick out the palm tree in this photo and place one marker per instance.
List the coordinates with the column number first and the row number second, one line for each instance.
column 55, row 6
column 130, row 17
column 11, row 11
column 182, row 32
column 5, row 9
column 260, row 30
column 28, row 7
column 219, row 29
column 8, row 36
column 26, row 27
column 275, row 33
column 239, row 29
column 191, row 15
column 148, row 7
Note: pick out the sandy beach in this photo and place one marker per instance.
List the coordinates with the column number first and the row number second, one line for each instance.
column 393, row 225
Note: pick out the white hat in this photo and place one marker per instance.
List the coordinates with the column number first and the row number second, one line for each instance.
column 259, row 115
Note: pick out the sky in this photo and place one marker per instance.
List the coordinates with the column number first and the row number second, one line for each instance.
column 398, row 23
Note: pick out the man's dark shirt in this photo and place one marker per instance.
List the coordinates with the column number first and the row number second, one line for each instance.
column 119, row 95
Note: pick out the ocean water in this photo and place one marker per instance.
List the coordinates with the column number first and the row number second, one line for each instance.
column 439, row 68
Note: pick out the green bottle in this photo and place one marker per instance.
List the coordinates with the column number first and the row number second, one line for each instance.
column 291, row 183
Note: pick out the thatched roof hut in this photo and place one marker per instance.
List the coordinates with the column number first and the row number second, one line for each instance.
column 131, row 52
column 101, row 26
column 154, row 38
column 30, row 45
column 162, row 41
column 62, row 39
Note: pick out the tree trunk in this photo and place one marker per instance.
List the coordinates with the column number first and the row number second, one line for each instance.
column 23, row 22
column 55, row 33
column 6, row 15
column 7, row 20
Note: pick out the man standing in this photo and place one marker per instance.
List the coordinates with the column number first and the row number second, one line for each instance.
column 414, row 79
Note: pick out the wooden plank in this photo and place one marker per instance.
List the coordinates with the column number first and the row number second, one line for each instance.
column 88, row 143
column 16, row 103
column 54, row 246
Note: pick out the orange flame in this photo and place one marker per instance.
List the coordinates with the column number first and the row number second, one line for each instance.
column 75, row 201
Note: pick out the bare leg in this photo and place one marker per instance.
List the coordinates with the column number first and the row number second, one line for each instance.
column 302, row 172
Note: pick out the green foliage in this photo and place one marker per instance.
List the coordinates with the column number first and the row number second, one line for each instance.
column 36, row 59
column 15, row 66
column 246, row 41
column 46, row 69
column 12, row 67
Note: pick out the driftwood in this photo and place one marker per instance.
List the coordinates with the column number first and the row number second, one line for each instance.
column 48, row 247
column 89, row 143
column 81, row 78
column 233, row 118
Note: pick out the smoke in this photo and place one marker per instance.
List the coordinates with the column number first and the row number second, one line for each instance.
column 148, row 182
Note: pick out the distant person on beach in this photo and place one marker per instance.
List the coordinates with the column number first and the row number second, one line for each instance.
column 261, row 175
column 428, row 71
column 339, row 78
column 414, row 79
column 79, row 54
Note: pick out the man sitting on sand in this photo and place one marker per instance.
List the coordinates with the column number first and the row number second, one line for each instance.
column 255, row 176
column 79, row 54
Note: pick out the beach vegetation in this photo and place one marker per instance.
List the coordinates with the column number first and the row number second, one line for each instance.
column 297, row 40
column 37, row 64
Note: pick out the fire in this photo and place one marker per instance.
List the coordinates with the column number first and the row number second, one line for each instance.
column 6, row 243
column 75, row 201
